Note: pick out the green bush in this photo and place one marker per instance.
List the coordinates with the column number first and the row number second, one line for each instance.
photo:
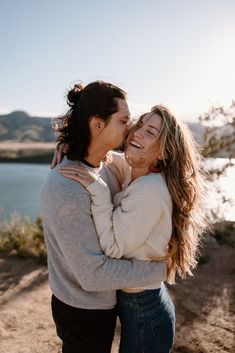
column 224, row 233
column 21, row 237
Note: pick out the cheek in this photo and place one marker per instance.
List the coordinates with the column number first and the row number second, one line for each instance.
column 153, row 150
column 155, row 143
column 154, row 147
column 121, row 130
column 117, row 134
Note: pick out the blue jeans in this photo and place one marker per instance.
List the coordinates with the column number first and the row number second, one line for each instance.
column 147, row 321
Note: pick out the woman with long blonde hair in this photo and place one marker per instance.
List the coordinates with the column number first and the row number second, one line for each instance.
column 157, row 215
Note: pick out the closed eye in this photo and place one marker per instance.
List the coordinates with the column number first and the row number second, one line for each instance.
column 151, row 133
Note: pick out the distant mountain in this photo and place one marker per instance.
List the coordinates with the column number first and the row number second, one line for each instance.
column 25, row 135
column 18, row 126
column 197, row 130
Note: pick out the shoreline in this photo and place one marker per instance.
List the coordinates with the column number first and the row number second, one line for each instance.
column 36, row 159
column 28, row 152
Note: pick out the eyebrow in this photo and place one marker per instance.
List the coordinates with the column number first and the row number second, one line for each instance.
column 126, row 117
column 151, row 126
column 154, row 127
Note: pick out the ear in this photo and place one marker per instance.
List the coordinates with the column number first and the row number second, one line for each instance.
column 96, row 125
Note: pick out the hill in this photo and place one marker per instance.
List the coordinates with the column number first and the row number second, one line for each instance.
column 18, row 126
column 24, row 138
column 22, row 135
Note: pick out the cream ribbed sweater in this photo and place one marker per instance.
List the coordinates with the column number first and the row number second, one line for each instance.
column 138, row 223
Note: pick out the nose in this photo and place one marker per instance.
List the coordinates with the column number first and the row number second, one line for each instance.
column 138, row 133
column 129, row 125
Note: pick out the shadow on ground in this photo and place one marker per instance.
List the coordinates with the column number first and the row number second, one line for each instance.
column 18, row 275
column 205, row 304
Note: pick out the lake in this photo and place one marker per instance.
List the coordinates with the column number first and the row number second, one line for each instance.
column 20, row 186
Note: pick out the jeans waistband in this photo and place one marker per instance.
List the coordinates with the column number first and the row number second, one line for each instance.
column 144, row 295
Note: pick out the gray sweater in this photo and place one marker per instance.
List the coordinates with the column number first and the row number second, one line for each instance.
column 80, row 275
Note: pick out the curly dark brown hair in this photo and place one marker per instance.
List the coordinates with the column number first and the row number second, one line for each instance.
column 96, row 99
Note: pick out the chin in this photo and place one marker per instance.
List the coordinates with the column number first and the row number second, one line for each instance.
column 130, row 149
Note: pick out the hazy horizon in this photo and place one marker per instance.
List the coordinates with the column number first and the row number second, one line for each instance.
column 179, row 53
column 39, row 115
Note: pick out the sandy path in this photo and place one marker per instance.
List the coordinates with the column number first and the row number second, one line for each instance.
column 26, row 325
column 5, row 145
column 205, row 307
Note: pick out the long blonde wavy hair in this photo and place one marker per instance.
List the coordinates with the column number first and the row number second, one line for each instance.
column 185, row 181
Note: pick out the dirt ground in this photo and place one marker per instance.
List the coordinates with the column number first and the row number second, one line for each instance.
column 205, row 307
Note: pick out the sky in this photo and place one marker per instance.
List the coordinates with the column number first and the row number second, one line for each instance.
column 180, row 53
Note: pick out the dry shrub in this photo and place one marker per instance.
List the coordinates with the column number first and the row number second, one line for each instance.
column 19, row 236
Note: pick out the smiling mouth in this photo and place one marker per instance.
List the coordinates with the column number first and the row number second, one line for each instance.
column 135, row 144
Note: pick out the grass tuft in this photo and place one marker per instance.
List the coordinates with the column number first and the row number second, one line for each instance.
column 224, row 233
column 19, row 236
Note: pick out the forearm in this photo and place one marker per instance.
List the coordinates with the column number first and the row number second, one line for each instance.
column 96, row 272
column 79, row 248
column 102, row 211
column 117, row 274
column 127, row 227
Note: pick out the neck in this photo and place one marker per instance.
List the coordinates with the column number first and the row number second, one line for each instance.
column 95, row 155
column 138, row 172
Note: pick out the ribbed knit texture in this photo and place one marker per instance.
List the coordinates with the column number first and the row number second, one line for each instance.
column 80, row 275
column 138, row 224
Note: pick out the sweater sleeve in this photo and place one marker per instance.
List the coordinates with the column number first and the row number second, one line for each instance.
column 66, row 213
column 125, row 228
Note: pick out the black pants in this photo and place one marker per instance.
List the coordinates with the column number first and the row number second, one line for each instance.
column 83, row 330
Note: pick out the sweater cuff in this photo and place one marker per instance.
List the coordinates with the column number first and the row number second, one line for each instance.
column 97, row 187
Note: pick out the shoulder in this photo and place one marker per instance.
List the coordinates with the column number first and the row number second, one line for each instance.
column 151, row 185
column 150, row 181
column 57, row 187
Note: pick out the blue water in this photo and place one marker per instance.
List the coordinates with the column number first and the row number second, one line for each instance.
column 20, row 186
column 223, row 187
